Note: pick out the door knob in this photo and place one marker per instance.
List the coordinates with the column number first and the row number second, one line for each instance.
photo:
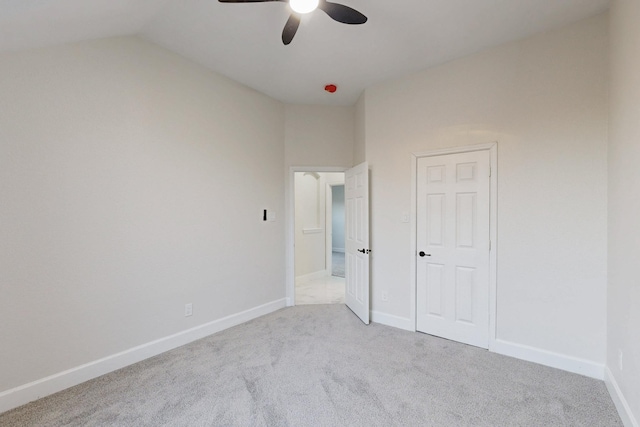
column 422, row 254
column 364, row 251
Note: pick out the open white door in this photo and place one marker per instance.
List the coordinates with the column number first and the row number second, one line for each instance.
column 356, row 192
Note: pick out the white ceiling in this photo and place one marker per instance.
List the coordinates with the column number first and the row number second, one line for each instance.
column 242, row 41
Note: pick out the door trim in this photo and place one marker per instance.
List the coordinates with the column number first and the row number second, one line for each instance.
column 290, row 279
column 492, row 148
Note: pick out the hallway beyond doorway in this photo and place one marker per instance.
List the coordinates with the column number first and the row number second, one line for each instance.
column 325, row 290
column 337, row 264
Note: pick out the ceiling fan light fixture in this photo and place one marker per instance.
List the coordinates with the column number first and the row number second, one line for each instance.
column 303, row 6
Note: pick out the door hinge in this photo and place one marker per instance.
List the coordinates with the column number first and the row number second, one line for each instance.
column 489, row 245
column 489, row 172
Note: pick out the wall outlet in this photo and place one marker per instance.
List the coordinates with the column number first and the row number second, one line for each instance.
column 620, row 359
column 188, row 310
column 384, row 296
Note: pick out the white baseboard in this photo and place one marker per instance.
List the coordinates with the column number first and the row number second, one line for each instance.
column 312, row 276
column 37, row 389
column 394, row 321
column 576, row 365
column 624, row 410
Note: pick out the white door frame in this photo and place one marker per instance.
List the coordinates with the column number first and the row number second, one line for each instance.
column 290, row 265
column 492, row 147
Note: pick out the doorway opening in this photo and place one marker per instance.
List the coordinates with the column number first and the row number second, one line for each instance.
column 454, row 197
column 319, row 237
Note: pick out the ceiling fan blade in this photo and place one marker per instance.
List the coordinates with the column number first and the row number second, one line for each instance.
column 342, row 13
column 290, row 29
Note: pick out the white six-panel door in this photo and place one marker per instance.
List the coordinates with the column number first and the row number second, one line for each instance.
column 356, row 192
column 452, row 260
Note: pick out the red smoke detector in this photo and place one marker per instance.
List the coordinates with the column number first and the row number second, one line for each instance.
column 331, row 88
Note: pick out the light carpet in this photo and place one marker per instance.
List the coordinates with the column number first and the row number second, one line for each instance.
column 320, row 366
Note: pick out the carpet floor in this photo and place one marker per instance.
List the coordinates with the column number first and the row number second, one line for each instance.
column 318, row 365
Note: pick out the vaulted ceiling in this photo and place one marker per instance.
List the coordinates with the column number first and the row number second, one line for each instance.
column 242, row 41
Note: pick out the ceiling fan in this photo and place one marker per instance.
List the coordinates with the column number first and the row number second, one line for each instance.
column 337, row 12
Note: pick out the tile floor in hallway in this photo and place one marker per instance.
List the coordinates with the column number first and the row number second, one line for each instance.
column 326, row 290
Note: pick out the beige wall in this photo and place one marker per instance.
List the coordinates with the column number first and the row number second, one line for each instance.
column 132, row 183
column 624, row 203
column 544, row 100
column 319, row 135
